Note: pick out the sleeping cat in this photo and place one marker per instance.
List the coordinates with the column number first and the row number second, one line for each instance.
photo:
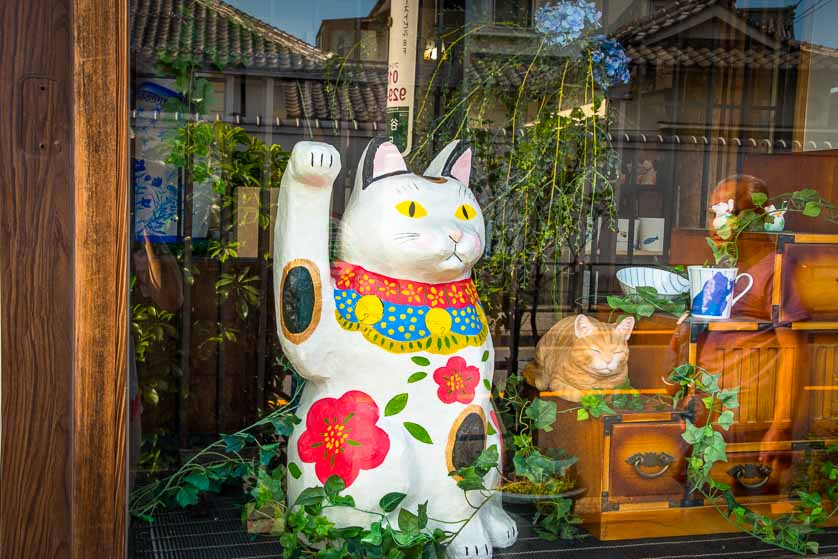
column 580, row 353
column 391, row 339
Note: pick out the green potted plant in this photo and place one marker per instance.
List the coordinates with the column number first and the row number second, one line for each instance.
column 712, row 286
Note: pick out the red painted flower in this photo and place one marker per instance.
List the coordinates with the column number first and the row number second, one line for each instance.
column 456, row 381
column 342, row 437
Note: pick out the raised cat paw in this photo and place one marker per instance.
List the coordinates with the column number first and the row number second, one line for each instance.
column 314, row 163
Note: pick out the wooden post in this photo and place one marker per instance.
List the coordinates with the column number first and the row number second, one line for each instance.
column 100, row 119
column 63, row 272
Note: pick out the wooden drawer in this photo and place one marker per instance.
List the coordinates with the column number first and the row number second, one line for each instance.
column 647, row 462
column 809, row 282
column 747, row 476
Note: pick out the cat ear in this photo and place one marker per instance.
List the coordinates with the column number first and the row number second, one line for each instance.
column 381, row 158
column 453, row 161
column 625, row 327
column 583, row 326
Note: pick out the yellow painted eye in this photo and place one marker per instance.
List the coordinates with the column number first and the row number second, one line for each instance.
column 411, row 208
column 465, row 212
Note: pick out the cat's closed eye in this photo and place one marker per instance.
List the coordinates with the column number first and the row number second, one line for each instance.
column 411, row 208
column 465, row 212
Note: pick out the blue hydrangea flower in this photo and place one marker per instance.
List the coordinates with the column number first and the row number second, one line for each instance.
column 611, row 64
column 566, row 22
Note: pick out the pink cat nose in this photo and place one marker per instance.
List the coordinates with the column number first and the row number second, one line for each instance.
column 456, row 235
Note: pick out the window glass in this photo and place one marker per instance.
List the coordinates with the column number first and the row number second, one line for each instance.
column 451, row 276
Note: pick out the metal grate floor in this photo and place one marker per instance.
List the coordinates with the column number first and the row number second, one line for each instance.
column 213, row 530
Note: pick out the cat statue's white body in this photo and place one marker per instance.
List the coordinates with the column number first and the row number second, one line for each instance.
column 397, row 321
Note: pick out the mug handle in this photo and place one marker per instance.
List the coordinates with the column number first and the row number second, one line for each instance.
column 750, row 285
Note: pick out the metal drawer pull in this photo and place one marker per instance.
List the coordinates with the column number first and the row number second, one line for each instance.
column 743, row 472
column 660, row 460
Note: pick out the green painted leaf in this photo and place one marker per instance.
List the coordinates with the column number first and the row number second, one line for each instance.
column 421, row 361
column 294, row 470
column 416, row 377
column 199, row 480
column 418, row 432
column 487, row 384
column 396, row 404
column 390, row 501
column 485, row 356
column 490, row 430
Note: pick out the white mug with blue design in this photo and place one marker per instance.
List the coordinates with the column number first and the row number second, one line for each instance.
column 711, row 291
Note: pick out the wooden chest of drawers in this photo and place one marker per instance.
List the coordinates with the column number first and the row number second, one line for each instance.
column 780, row 347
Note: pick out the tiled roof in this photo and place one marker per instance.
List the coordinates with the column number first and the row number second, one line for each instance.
column 774, row 22
column 360, row 101
column 217, row 33
column 224, row 37
column 661, row 19
column 725, row 57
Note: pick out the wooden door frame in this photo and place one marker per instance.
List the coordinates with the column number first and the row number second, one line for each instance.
column 63, row 278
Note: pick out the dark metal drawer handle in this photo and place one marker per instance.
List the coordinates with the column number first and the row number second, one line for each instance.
column 660, row 460
column 743, row 472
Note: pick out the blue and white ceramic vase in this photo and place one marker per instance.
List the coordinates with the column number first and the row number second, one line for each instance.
column 711, row 291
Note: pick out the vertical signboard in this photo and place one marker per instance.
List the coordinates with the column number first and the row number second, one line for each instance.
column 401, row 76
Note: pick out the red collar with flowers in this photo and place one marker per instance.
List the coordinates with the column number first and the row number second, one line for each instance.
column 455, row 294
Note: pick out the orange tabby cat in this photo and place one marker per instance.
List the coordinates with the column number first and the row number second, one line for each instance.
column 580, row 353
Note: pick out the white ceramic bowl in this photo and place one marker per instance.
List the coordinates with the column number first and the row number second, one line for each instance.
column 668, row 284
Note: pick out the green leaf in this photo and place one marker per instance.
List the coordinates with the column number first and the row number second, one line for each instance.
column 187, row 495
column 334, row 485
column 416, row 377
column 692, row 434
column 708, row 402
column 408, row 522
column 582, row 414
column 390, row 501
column 294, row 470
column 485, row 356
column 725, row 419
column 490, row 429
column 418, row 432
column 759, row 198
column 487, row 460
column 729, row 397
column 542, row 413
column 487, row 384
column 374, row 536
column 812, row 209
column 310, row 496
column 234, row 443
column 469, row 480
column 199, row 480
column 421, row 361
column 423, row 515
column 267, row 452
column 396, row 404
